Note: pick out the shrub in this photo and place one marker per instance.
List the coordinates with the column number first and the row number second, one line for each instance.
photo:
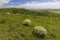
column 40, row 31
column 53, row 34
column 2, row 21
column 27, row 22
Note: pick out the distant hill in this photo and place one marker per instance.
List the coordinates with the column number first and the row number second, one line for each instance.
column 31, row 12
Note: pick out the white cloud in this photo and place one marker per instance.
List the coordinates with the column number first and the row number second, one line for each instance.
column 36, row 5
column 2, row 2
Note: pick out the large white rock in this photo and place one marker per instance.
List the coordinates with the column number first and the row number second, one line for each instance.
column 27, row 21
column 8, row 13
column 40, row 29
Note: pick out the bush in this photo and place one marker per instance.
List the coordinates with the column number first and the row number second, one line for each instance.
column 40, row 31
column 53, row 34
column 2, row 21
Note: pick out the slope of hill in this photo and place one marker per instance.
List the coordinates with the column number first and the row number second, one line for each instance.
column 11, row 27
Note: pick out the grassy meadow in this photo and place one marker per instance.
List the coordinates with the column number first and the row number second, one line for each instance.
column 11, row 27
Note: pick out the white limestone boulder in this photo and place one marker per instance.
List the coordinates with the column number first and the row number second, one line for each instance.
column 27, row 22
column 40, row 31
column 8, row 13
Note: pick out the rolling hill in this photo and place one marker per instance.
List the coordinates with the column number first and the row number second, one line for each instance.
column 11, row 27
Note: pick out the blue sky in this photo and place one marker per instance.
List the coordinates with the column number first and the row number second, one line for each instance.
column 31, row 4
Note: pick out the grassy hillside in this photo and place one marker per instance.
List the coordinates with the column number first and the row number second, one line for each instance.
column 11, row 27
column 55, row 11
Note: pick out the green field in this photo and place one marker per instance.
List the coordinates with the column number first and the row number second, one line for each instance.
column 11, row 27
column 55, row 11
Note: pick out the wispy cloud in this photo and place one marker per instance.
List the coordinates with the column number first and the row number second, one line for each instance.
column 2, row 2
column 55, row 4
column 55, row 0
column 36, row 5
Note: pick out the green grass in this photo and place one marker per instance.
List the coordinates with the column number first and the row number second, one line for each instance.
column 11, row 27
column 55, row 11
